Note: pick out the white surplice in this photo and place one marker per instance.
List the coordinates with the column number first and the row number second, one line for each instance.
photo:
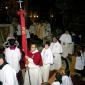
column 56, row 49
column 66, row 80
column 8, row 75
column 47, row 58
column 66, row 41
column 56, row 83
column 13, row 57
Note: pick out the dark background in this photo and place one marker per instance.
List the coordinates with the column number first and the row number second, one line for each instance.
column 67, row 14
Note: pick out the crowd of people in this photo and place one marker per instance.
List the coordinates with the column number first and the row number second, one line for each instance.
column 38, row 64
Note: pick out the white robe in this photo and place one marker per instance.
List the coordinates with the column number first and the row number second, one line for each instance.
column 34, row 73
column 66, row 41
column 13, row 57
column 47, row 58
column 18, row 30
column 84, row 58
column 56, row 49
column 66, row 80
column 56, row 83
column 79, row 63
column 8, row 76
column 32, row 29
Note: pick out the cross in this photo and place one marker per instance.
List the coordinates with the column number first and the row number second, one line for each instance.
column 20, row 2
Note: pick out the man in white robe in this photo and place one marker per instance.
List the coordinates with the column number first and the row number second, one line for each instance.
column 47, row 58
column 66, row 41
column 56, row 49
column 7, row 73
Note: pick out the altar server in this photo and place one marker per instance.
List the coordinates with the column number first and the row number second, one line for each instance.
column 13, row 55
column 47, row 58
column 7, row 73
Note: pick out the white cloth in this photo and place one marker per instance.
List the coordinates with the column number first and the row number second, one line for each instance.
column 35, row 76
column 66, row 80
column 66, row 38
column 47, row 30
column 27, row 33
column 56, row 83
column 32, row 29
column 57, row 61
column 67, row 49
column 26, row 79
column 66, row 42
column 34, row 73
column 18, row 30
column 13, row 57
column 8, row 76
column 45, row 69
column 56, row 49
column 79, row 64
column 47, row 56
column 84, row 58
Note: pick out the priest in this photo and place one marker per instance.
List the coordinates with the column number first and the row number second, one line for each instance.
column 34, row 65
column 56, row 49
column 66, row 41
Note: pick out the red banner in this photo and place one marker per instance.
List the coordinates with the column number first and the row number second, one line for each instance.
column 21, row 13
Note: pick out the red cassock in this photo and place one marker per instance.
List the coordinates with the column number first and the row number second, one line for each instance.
column 37, row 59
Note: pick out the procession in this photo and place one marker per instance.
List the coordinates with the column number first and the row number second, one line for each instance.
column 38, row 54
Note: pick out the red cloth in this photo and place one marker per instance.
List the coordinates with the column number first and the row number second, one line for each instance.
column 12, row 47
column 37, row 59
column 21, row 13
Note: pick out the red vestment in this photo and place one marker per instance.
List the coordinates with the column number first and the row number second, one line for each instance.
column 37, row 59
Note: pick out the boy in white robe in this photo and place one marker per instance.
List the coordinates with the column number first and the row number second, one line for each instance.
column 66, row 41
column 7, row 73
column 13, row 55
column 56, row 49
column 47, row 58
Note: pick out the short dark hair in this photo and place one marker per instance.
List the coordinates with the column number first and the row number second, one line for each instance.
column 47, row 43
column 12, row 42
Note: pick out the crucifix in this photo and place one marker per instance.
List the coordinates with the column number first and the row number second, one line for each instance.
column 20, row 3
column 21, row 13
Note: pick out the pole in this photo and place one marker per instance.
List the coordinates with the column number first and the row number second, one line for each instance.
column 21, row 13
